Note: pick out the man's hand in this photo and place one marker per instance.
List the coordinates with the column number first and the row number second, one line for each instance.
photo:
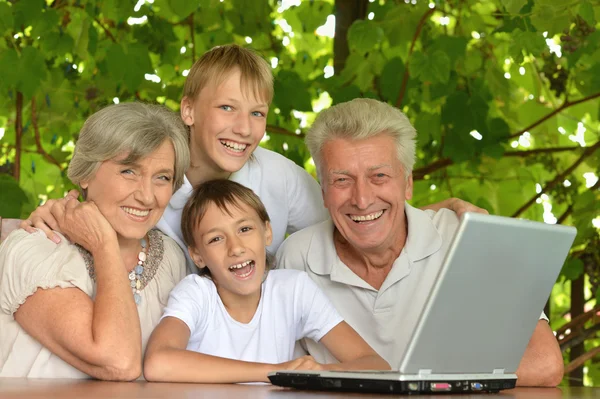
column 456, row 205
column 43, row 219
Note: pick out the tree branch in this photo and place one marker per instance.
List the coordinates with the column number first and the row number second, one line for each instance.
column 559, row 177
column 541, row 151
column 285, row 132
column 445, row 162
column 582, row 359
column 38, row 141
column 565, row 105
column 410, row 51
column 192, row 36
column 579, row 320
column 19, row 136
column 419, row 173
column 569, row 210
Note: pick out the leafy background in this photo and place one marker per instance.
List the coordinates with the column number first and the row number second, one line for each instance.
column 504, row 94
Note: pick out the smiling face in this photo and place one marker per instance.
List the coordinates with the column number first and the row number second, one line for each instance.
column 133, row 197
column 364, row 189
column 232, row 246
column 226, row 125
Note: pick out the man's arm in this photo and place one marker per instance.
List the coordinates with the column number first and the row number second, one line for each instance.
column 456, row 205
column 542, row 364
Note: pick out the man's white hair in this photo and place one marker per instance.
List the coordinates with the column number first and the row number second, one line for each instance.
column 360, row 119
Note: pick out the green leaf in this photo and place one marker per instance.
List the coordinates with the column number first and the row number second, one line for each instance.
column 10, row 75
column 572, row 269
column 6, row 18
column 428, row 126
column 546, row 19
column 32, row 70
column 291, row 93
column 586, row 11
column 391, row 79
column 598, row 296
column 27, row 13
column 363, row 36
column 117, row 62
column 138, row 59
column 311, row 14
column 513, row 6
column 47, row 22
column 432, row 68
column 12, row 197
column 92, row 40
column 183, row 8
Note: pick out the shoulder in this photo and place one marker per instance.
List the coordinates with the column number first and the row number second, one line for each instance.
column 301, row 242
column 444, row 220
column 172, row 250
column 31, row 261
column 35, row 248
column 269, row 160
column 195, row 286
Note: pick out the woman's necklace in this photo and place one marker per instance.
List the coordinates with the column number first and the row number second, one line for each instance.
column 136, row 274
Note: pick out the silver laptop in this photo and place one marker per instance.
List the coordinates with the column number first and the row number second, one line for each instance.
column 478, row 318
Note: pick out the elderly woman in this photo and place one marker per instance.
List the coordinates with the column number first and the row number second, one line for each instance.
column 86, row 306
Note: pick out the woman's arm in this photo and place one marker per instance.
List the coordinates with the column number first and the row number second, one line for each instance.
column 102, row 338
column 167, row 360
column 351, row 350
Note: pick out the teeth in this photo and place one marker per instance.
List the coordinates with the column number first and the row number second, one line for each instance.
column 240, row 265
column 136, row 212
column 234, row 146
column 364, row 218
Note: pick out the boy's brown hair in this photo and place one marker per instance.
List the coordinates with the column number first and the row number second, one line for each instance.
column 224, row 194
column 218, row 63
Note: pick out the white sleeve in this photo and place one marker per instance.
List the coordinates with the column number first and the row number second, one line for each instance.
column 544, row 317
column 305, row 202
column 188, row 303
column 317, row 314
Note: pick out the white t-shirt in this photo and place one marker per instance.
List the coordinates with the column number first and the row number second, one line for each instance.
column 291, row 196
column 291, row 307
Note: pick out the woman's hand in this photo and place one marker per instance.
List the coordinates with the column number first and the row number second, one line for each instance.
column 83, row 223
column 43, row 219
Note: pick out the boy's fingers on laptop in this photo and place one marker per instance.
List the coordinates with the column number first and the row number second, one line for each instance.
column 302, row 363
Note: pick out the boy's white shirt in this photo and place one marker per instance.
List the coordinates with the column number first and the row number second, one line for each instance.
column 291, row 307
column 291, row 196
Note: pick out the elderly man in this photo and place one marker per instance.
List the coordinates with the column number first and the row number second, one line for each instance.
column 377, row 257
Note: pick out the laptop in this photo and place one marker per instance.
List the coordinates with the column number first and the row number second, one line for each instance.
column 479, row 316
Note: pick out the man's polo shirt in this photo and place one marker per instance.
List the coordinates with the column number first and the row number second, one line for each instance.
column 385, row 318
column 291, row 196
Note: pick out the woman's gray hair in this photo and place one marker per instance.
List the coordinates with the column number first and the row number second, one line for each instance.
column 360, row 119
column 134, row 128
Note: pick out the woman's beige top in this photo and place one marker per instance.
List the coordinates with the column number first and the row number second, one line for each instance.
column 31, row 261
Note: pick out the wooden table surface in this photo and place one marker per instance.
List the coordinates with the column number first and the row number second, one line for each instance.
column 38, row 388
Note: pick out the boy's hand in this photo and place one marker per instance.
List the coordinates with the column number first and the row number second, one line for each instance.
column 43, row 219
column 302, row 363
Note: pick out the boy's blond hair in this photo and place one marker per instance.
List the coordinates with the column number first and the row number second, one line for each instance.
column 217, row 64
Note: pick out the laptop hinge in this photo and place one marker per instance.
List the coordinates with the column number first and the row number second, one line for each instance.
column 424, row 371
column 498, row 371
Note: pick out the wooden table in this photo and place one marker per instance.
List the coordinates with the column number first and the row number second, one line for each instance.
column 34, row 388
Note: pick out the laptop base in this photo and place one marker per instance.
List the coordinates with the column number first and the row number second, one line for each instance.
column 316, row 382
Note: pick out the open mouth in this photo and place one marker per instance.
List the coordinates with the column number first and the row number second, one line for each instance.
column 244, row 269
column 366, row 218
column 233, row 146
